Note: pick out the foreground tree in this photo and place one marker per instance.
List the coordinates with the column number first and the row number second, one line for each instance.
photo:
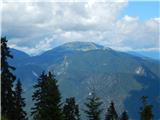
column 124, row 116
column 93, row 105
column 71, row 110
column 3, row 118
column 146, row 110
column 111, row 113
column 7, row 80
column 47, row 99
column 19, row 102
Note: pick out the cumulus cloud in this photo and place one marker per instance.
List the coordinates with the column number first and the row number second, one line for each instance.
column 35, row 27
column 138, row 34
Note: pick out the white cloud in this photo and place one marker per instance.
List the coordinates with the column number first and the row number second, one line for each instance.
column 35, row 27
column 130, row 19
column 139, row 35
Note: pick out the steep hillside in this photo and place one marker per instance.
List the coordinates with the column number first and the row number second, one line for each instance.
column 80, row 66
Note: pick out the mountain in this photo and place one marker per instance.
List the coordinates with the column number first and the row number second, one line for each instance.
column 19, row 54
column 149, row 54
column 79, row 46
column 82, row 66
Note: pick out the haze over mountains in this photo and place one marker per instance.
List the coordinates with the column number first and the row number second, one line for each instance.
column 82, row 66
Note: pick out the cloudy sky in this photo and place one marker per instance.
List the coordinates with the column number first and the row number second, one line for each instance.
column 35, row 27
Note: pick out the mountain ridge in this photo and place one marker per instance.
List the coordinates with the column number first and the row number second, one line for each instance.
column 86, row 46
column 115, row 75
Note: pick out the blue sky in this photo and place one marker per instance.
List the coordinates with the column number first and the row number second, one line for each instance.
column 35, row 27
column 144, row 10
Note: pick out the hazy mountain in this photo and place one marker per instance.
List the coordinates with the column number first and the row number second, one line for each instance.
column 81, row 66
column 149, row 54
column 18, row 55
column 79, row 46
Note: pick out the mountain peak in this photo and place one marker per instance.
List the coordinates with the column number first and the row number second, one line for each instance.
column 80, row 46
column 19, row 54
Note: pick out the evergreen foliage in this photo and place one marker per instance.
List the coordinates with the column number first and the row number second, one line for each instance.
column 19, row 102
column 124, row 116
column 3, row 118
column 146, row 110
column 71, row 110
column 47, row 99
column 93, row 104
column 111, row 113
column 7, row 80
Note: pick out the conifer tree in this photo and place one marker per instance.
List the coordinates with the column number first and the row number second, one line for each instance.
column 111, row 113
column 71, row 110
column 124, row 116
column 7, row 80
column 47, row 99
column 37, row 97
column 3, row 118
column 19, row 102
column 93, row 105
column 146, row 110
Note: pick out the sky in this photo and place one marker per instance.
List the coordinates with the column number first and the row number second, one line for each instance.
column 35, row 27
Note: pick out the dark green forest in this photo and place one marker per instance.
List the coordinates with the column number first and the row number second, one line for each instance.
column 47, row 99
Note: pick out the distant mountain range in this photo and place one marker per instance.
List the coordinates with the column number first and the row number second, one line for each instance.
column 150, row 54
column 81, row 66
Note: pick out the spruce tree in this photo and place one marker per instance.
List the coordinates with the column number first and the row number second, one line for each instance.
column 3, row 118
column 19, row 102
column 124, row 116
column 47, row 99
column 111, row 113
column 37, row 97
column 93, row 105
column 71, row 110
column 146, row 110
column 7, row 80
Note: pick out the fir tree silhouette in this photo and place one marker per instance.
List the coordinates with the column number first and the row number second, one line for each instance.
column 47, row 99
column 93, row 105
column 146, row 109
column 111, row 112
column 19, row 102
column 71, row 109
column 7, row 80
column 124, row 116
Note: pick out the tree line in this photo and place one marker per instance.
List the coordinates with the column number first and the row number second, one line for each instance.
column 47, row 98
